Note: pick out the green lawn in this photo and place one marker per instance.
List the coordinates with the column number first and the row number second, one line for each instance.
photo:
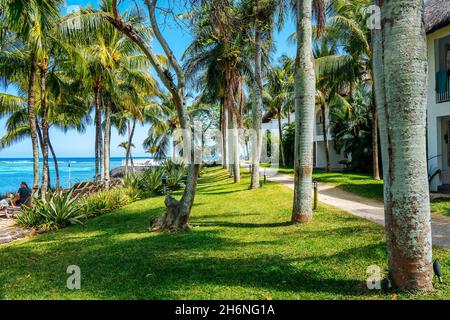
column 241, row 247
column 363, row 185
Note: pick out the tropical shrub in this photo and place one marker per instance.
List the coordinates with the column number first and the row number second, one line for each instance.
column 106, row 201
column 289, row 142
column 170, row 176
column 30, row 217
column 54, row 212
column 61, row 210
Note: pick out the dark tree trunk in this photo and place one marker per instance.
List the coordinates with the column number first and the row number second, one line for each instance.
column 33, row 120
column 325, row 139
column 128, row 158
column 55, row 162
column 375, row 164
column 280, row 132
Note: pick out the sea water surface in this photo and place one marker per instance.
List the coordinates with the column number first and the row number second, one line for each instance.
column 71, row 170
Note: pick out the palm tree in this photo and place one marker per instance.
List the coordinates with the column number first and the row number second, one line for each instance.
column 304, row 106
column 348, row 29
column 32, row 21
column 216, row 57
column 280, row 93
column 127, row 146
column 401, row 105
column 113, row 66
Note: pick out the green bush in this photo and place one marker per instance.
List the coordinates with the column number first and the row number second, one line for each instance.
column 150, row 182
column 30, row 217
column 54, row 212
column 62, row 210
column 106, row 201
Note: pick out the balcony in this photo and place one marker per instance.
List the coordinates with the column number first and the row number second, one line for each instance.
column 443, row 89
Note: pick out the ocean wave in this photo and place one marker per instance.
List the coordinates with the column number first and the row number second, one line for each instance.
column 16, row 162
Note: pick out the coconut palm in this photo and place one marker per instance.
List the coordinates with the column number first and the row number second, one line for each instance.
column 348, row 29
column 216, row 57
column 114, row 68
column 32, row 21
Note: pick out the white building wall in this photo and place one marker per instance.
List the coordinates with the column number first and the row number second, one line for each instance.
column 435, row 111
column 335, row 157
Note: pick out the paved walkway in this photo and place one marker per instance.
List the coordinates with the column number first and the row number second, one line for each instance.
column 9, row 232
column 369, row 209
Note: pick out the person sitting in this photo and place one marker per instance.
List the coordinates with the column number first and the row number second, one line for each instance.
column 8, row 201
column 23, row 195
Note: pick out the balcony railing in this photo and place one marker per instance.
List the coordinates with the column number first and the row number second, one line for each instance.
column 444, row 96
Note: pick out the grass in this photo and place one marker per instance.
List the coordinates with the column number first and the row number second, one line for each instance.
column 363, row 185
column 241, row 247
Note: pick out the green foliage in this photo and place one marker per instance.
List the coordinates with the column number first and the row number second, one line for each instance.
column 61, row 210
column 106, row 201
column 54, row 212
column 289, row 142
column 352, row 130
column 30, row 217
column 150, row 182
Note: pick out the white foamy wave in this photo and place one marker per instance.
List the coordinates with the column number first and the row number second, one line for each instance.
column 16, row 162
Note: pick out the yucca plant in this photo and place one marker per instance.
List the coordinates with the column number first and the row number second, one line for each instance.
column 60, row 210
column 30, row 217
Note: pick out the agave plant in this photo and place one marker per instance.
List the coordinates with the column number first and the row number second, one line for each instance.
column 60, row 210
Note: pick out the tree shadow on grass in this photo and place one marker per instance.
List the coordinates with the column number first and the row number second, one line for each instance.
column 169, row 266
column 244, row 225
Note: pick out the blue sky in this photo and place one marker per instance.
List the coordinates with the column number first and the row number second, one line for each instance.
column 73, row 144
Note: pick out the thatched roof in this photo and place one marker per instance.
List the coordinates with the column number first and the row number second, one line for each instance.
column 437, row 15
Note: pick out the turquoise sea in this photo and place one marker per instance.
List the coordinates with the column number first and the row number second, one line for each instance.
column 71, row 170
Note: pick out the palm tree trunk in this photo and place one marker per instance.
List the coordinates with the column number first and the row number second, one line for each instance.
column 304, row 111
column 375, row 165
column 225, row 155
column 280, row 133
column 325, row 139
column 401, row 105
column 257, row 106
column 33, row 120
column 45, row 129
column 98, row 133
column 235, row 154
column 55, row 162
column 130, row 144
column 107, row 152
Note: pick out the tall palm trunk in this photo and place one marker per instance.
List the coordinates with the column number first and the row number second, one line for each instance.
column 107, row 143
column 400, row 84
column 98, row 131
column 234, row 150
column 131, row 129
column 55, row 162
column 45, row 129
column 33, row 120
column 325, row 138
column 280, row 133
column 375, row 165
column 304, row 111
column 257, row 106
column 224, row 127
